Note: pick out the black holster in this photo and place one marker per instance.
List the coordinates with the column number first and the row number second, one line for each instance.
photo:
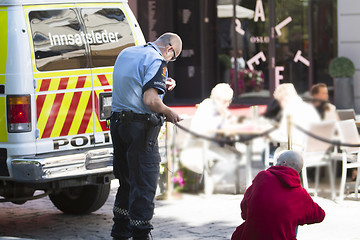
column 154, row 125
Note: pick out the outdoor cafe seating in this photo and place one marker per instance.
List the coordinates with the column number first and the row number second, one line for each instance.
column 316, row 154
column 350, row 156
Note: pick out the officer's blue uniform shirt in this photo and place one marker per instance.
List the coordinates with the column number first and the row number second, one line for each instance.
column 136, row 70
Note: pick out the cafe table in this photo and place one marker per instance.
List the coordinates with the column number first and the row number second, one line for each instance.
column 245, row 132
column 357, row 122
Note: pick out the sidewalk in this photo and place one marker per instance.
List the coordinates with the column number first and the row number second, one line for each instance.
column 216, row 217
column 187, row 217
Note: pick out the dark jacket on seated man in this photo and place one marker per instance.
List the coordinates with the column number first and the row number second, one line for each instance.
column 274, row 205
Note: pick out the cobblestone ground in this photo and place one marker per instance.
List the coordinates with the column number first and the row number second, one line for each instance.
column 189, row 217
column 186, row 217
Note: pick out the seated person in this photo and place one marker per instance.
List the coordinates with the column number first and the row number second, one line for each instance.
column 320, row 95
column 211, row 114
column 301, row 113
column 275, row 204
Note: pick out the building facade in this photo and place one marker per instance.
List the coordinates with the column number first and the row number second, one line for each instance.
column 349, row 40
column 254, row 46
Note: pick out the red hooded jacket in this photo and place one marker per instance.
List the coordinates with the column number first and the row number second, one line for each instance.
column 274, row 205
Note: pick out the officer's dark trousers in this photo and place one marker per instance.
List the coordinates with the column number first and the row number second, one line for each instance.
column 136, row 165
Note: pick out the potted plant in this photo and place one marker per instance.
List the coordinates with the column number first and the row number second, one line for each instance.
column 342, row 70
column 248, row 81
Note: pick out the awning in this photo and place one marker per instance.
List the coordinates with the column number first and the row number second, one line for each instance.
column 226, row 11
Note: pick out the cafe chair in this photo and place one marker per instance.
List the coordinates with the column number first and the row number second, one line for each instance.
column 316, row 154
column 179, row 143
column 350, row 155
column 218, row 166
column 345, row 114
column 189, row 160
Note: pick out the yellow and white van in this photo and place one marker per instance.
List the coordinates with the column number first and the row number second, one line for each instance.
column 56, row 63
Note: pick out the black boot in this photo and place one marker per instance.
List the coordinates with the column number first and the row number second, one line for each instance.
column 148, row 237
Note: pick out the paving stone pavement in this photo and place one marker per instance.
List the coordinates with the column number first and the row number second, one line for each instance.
column 187, row 217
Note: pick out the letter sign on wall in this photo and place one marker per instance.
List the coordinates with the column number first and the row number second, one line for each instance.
column 260, row 14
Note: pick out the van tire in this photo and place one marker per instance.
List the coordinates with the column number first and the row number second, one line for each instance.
column 81, row 200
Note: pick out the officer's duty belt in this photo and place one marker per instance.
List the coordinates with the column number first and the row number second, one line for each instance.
column 131, row 116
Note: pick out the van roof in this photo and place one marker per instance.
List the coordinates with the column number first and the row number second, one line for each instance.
column 32, row 2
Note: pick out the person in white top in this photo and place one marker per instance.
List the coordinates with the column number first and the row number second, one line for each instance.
column 199, row 154
column 213, row 112
column 302, row 114
column 240, row 62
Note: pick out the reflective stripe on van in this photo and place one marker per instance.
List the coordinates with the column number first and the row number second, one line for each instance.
column 3, row 42
column 64, row 105
column 3, row 132
column 3, row 57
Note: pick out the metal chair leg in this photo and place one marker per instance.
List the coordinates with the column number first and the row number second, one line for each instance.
column 305, row 180
column 332, row 181
column 343, row 176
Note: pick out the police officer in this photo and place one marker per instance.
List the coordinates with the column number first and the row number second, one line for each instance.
column 140, row 80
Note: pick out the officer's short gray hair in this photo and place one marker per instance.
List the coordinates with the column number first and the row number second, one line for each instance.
column 170, row 38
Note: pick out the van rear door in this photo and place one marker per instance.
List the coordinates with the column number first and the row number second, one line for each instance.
column 74, row 48
column 64, row 88
column 113, row 28
column 111, row 33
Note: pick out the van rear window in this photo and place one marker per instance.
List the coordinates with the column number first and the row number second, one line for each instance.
column 58, row 40
column 114, row 29
column 63, row 41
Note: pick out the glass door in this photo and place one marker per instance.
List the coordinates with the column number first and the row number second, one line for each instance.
column 244, row 48
column 292, row 36
column 274, row 41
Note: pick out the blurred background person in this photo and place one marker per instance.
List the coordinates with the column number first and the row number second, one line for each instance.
column 213, row 113
column 301, row 113
column 320, row 98
column 200, row 155
column 239, row 60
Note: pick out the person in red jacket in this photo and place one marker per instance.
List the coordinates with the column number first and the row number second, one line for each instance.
column 275, row 204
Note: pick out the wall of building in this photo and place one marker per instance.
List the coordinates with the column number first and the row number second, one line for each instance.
column 134, row 7
column 349, row 39
column 195, row 70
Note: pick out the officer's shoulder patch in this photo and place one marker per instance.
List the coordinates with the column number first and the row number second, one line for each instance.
column 164, row 71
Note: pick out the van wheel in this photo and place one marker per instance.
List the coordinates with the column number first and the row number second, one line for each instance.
column 81, row 200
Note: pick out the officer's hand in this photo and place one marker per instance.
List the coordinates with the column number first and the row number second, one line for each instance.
column 172, row 116
column 170, row 84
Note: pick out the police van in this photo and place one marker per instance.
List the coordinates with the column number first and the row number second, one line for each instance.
column 56, row 63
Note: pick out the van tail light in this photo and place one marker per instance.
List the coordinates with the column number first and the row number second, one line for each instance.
column 18, row 113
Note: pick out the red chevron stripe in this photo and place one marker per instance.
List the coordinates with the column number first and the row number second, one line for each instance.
column 39, row 105
column 63, row 83
column 103, row 80
column 86, row 117
column 81, row 82
column 73, row 106
column 53, row 115
column 55, row 109
column 45, row 83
